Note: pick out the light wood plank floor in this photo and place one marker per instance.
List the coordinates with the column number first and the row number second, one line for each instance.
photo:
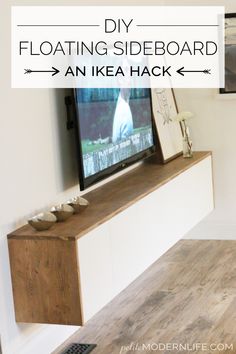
column 188, row 296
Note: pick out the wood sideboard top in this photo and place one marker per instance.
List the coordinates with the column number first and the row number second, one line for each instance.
column 115, row 196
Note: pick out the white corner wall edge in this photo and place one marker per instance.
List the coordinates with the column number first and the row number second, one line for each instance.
column 211, row 230
column 114, row 254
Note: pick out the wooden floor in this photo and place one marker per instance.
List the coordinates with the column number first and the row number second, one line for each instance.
column 188, row 296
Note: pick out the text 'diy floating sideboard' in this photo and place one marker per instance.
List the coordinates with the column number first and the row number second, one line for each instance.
column 68, row 273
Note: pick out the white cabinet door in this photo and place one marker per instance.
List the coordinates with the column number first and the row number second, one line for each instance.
column 126, row 247
column 94, row 256
column 176, row 207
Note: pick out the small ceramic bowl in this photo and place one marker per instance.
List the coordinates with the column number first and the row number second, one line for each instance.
column 42, row 221
column 79, row 204
column 62, row 211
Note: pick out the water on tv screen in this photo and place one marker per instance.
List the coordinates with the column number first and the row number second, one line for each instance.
column 114, row 125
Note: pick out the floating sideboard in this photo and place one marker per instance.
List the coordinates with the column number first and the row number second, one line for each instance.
column 68, row 273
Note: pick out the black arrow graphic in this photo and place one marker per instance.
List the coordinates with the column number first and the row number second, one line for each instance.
column 181, row 71
column 54, row 71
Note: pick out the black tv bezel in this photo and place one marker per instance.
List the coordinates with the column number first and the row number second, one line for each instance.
column 86, row 182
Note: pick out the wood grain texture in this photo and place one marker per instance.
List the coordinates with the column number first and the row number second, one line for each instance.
column 45, row 281
column 114, row 197
column 188, row 296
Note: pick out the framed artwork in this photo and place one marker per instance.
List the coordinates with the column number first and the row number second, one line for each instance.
column 230, row 54
column 168, row 129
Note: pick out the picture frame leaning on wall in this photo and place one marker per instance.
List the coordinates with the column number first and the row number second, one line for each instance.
column 230, row 54
column 168, row 128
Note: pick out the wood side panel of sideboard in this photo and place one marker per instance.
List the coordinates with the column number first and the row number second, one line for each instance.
column 45, row 281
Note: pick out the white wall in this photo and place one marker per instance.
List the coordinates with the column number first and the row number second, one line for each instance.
column 36, row 171
column 37, row 167
column 214, row 128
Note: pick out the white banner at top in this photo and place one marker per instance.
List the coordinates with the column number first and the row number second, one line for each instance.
column 115, row 46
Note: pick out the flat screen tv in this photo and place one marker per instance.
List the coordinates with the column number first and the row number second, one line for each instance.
column 114, row 129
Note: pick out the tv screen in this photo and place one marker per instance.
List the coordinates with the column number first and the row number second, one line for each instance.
column 114, row 129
